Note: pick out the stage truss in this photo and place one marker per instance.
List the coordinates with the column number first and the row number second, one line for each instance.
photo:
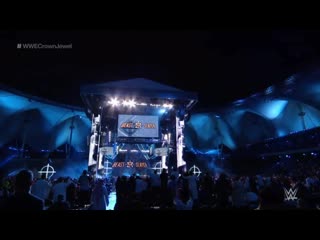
column 126, row 149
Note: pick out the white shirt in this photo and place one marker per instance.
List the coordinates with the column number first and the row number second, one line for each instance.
column 41, row 188
column 59, row 188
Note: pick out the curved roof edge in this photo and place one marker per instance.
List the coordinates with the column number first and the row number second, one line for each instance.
column 302, row 72
column 40, row 99
column 144, row 87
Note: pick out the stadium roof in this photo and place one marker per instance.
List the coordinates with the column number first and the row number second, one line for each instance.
column 45, row 125
column 280, row 110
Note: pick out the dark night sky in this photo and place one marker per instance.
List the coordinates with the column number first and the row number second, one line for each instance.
column 221, row 65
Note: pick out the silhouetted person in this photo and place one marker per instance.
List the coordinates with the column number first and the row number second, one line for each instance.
column 155, row 181
column 183, row 200
column 164, row 179
column 59, row 188
column 72, row 194
column 192, row 186
column 60, row 204
column 172, row 186
column 272, row 197
column 132, row 185
column 99, row 196
column 223, row 190
column 84, row 192
column 41, row 188
column 23, row 199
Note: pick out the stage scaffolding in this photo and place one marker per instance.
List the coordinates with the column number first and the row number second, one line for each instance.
column 134, row 122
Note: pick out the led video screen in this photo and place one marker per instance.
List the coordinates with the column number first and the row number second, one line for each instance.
column 144, row 126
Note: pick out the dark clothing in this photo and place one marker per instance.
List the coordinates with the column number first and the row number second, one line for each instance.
column 223, row 190
column 60, row 206
column 164, row 181
column 23, row 201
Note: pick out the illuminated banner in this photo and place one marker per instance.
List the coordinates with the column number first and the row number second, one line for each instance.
column 109, row 151
column 161, row 152
column 144, row 126
column 129, row 164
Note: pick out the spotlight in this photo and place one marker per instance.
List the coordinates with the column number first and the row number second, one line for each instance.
column 113, row 102
column 130, row 103
column 162, row 111
column 169, row 106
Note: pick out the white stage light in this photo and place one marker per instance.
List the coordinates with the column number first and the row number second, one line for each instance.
column 167, row 106
column 142, row 104
column 131, row 103
column 113, row 102
column 125, row 103
column 162, row 111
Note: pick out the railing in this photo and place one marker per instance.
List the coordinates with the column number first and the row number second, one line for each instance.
column 304, row 150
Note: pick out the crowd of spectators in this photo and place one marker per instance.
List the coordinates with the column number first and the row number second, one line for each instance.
column 172, row 191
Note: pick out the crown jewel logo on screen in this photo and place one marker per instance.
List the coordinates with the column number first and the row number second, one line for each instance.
column 138, row 126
